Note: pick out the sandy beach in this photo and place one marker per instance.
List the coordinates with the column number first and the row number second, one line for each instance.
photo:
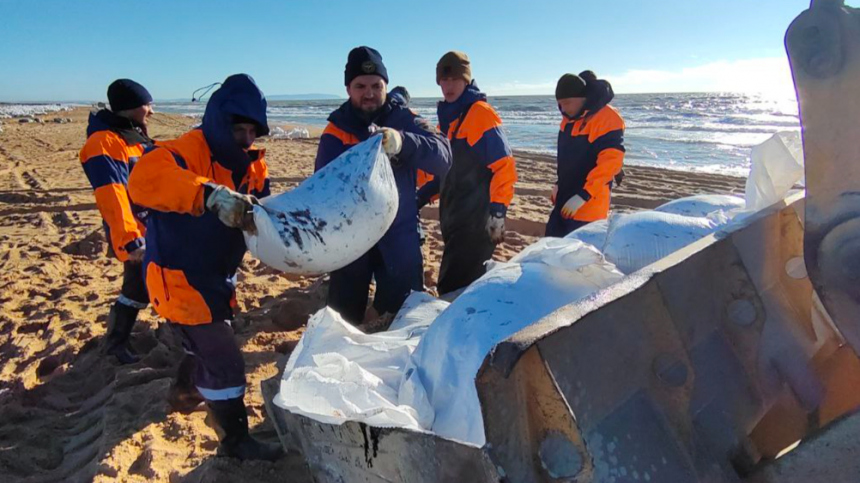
column 70, row 414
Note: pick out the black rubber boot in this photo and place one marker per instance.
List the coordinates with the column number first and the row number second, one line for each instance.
column 184, row 396
column 232, row 427
column 120, row 322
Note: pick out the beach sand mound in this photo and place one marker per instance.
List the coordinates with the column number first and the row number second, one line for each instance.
column 71, row 414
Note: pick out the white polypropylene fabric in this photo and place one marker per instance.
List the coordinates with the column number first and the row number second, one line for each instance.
column 702, row 205
column 593, row 233
column 637, row 240
column 332, row 218
column 417, row 311
column 777, row 165
column 338, row 373
column 548, row 275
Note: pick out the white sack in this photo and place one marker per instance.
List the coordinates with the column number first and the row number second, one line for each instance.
column 332, row 218
column 637, row 240
column 338, row 373
column 702, row 205
column 777, row 165
column 593, row 233
column 419, row 310
column 511, row 296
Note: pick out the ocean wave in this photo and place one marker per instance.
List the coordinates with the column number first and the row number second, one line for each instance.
column 22, row 110
column 710, row 132
column 713, row 128
column 742, row 140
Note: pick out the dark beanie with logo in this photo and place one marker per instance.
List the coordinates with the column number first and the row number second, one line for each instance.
column 569, row 86
column 455, row 65
column 364, row 61
column 125, row 94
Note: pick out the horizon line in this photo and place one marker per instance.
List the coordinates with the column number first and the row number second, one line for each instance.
column 336, row 98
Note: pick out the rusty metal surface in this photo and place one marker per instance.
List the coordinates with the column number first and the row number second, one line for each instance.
column 701, row 368
column 355, row 452
column 823, row 45
column 531, row 433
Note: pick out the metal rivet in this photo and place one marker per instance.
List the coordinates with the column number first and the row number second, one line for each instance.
column 796, row 268
column 559, row 457
column 670, row 370
column 742, row 312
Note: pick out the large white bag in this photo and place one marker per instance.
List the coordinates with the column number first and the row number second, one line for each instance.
column 637, row 240
column 511, row 296
column 593, row 233
column 702, row 205
column 332, row 218
column 338, row 373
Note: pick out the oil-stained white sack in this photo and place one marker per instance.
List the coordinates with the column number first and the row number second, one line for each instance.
column 702, row 205
column 546, row 276
column 332, row 218
column 637, row 240
column 593, row 233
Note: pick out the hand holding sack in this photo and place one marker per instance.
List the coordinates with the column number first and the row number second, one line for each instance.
column 233, row 209
column 572, row 206
column 496, row 223
column 392, row 141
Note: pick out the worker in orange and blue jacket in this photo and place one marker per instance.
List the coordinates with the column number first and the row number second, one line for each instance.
column 590, row 153
column 200, row 189
column 396, row 262
column 116, row 138
column 476, row 192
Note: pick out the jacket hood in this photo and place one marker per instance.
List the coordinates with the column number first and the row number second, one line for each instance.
column 237, row 96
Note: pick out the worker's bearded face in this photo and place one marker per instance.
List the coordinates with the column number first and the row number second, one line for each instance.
column 367, row 93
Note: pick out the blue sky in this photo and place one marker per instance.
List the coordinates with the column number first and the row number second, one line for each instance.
column 71, row 50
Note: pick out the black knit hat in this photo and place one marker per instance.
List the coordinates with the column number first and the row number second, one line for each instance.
column 125, row 94
column 364, row 61
column 569, row 86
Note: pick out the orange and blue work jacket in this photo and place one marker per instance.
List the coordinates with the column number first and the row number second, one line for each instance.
column 191, row 257
column 590, row 155
column 483, row 173
column 113, row 147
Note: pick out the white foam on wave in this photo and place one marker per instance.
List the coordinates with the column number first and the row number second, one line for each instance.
column 22, row 110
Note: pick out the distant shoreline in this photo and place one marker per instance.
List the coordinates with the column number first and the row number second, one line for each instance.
column 334, row 97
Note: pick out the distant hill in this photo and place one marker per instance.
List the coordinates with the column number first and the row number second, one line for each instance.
column 303, row 97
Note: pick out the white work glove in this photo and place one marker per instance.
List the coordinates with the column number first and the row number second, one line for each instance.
column 233, row 209
column 496, row 228
column 554, row 193
column 572, row 206
column 136, row 256
column 392, row 141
